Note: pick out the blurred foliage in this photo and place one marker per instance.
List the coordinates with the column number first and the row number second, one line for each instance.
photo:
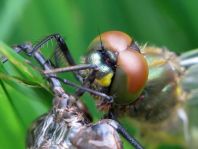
column 169, row 23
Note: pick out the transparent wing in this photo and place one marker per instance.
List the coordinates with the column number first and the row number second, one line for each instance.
column 189, row 60
column 190, row 84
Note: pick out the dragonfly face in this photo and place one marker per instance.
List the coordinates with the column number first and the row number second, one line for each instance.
column 122, row 69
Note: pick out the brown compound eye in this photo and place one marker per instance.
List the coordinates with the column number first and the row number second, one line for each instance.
column 113, row 40
column 135, row 66
column 130, row 71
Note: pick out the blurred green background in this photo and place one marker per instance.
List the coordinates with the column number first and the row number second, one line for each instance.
column 173, row 24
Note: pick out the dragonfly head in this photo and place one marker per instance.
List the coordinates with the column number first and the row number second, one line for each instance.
column 122, row 69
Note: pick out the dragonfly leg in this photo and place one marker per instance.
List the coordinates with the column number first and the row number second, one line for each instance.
column 84, row 89
column 106, row 100
column 120, row 129
column 61, row 43
column 70, row 68
column 86, row 83
column 30, row 50
column 63, row 47
column 18, row 49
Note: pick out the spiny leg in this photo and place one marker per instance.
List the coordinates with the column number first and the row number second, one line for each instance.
column 63, row 47
column 120, row 129
column 70, row 68
column 84, row 89
column 86, row 83
column 30, row 50
column 18, row 49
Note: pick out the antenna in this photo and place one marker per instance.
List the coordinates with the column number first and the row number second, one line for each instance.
column 100, row 38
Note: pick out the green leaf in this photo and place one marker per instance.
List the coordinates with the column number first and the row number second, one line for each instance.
column 24, row 95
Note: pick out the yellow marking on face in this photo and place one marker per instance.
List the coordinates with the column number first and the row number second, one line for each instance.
column 106, row 80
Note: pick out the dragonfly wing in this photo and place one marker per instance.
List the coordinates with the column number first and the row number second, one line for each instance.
column 189, row 58
column 191, row 107
column 190, row 80
column 189, row 83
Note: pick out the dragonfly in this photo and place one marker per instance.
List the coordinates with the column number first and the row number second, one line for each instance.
column 149, row 85
column 136, row 81
column 65, row 125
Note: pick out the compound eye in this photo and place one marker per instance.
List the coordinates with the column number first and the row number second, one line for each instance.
column 135, row 66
